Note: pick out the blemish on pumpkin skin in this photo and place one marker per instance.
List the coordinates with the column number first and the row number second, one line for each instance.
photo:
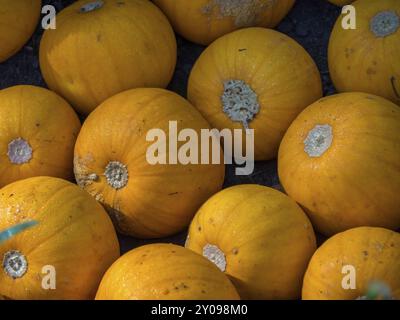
column 245, row 12
column 166, row 292
column 98, row 38
column 371, row 71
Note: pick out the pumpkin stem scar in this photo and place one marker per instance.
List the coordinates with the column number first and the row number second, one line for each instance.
column 385, row 23
column 245, row 12
column 240, row 102
column 19, row 151
column 392, row 80
column 91, row 6
column 215, row 255
column 15, row 264
column 116, row 174
column 318, row 140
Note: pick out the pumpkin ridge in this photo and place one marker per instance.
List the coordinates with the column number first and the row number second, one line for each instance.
column 56, row 233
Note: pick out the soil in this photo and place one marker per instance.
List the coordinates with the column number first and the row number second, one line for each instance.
column 310, row 23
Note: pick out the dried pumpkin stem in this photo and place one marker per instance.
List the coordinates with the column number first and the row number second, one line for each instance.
column 116, row 174
column 15, row 264
column 318, row 141
column 19, row 151
column 240, row 102
column 215, row 255
column 91, row 6
column 385, row 23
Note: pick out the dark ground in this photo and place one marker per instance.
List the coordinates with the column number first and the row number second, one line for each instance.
column 310, row 23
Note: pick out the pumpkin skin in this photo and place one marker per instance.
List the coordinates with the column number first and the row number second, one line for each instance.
column 340, row 161
column 366, row 59
column 341, row 2
column 262, row 64
column 373, row 252
column 41, row 125
column 150, row 272
column 18, row 22
column 147, row 201
column 262, row 238
column 203, row 21
column 74, row 235
column 90, row 57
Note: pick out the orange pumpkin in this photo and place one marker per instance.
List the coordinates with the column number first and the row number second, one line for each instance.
column 18, row 22
column 369, row 255
column 341, row 2
column 366, row 59
column 203, row 21
column 340, row 160
column 254, row 78
column 146, row 199
column 101, row 48
column 164, row 272
column 259, row 237
column 66, row 254
column 38, row 130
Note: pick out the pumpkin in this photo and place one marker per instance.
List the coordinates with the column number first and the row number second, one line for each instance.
column 18, row 22
column 101, row 48
column 38, row 130
column 164, row 272
column 365, row 253
column 259, row 237
column 66, row 254
column 340, row 161
column 366, row 58
column 254, row 78
column 341, row 2
column 112, row 162
column 203, row 21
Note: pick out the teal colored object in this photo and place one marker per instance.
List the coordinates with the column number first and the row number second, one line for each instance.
column 10, row 232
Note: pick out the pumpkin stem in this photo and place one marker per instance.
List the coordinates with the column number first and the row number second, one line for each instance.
column 19, row 151
column 91, row 6
column 15, row 264
column 116, row 174
column 240, row 102
column 318, row 140
column 215, row 255
column 385, row 23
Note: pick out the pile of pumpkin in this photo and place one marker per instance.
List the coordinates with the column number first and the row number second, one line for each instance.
column 338, row 156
